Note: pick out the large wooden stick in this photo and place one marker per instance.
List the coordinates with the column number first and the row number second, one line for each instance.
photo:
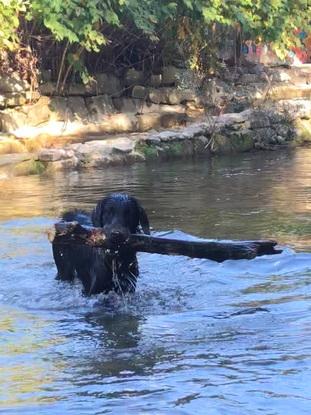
column 72, row 233
column 215, row 250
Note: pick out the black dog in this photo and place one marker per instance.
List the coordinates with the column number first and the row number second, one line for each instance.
column 113, row 269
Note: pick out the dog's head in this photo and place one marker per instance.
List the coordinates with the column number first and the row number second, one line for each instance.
column 120, row 215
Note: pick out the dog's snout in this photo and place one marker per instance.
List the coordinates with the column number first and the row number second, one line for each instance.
column 117, row 234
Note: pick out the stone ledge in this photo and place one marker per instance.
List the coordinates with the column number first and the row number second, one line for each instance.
column 228, row 133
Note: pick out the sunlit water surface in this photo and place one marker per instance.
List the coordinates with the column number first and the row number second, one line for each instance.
column 198, row 337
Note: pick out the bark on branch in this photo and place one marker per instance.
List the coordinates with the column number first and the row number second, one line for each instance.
column 73, row 233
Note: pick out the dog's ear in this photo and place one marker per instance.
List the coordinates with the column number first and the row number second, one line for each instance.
column 143, row 220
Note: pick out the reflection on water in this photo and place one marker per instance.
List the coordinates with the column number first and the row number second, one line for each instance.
column 198, row 337
column 253, row 195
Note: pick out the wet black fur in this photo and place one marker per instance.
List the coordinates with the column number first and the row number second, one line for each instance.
column 119, row 215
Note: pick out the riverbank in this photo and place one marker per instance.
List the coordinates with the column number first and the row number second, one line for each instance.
column 267, row 109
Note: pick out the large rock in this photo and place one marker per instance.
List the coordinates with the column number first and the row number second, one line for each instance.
column 155, row 120
column 122, row 123
column 171, row 96
column 32, row 96
column 78, row 108
column 8, row 145
column 82, row 90
column 47, row 88
column 139, row 92
column 228, row 120
column 290, row 92
column 174, row 97
column 178, row 96
column 13, row 83
column 296, row 108
column 194, row 110
column 260, row 120
column 155, row 80
column 12, row 99
column 94, row 153
column 123, row 145
column 38, row 113
column 106, row 152
column 171, row 120
column 295, row 75
column 17, row 99
column 139, row 106
column 63, row 164
column 171, row 75
column 158, row 96
column 128, row 105
column 59, row 109
column 113, row 123
column 162, row 108
column 99, row 106
column 264, row 137
column 109, row 84
column 134, row 77
column 52, row 155
column 234, row 142
column 11, row 119
column 280, row 76
column 166, row 136
column 149, row 121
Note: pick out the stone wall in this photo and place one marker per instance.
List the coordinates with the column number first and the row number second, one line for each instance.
column 139, row 118
column 249, row 87
column 107, row 105
column 266, row 128
column 139, row 102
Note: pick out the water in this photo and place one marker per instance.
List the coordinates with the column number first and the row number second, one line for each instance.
column 198, row 337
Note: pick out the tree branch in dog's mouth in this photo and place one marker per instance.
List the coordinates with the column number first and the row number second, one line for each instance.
column 73, row 233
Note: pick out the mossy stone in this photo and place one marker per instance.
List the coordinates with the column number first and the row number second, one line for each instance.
column 29, row 167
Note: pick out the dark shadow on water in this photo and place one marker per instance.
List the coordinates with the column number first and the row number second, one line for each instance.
column 117, row 330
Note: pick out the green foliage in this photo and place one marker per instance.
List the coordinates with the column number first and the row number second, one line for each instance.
column 272, row 21
column 74, row 21
column 193, row 25
column 149, row 15
column 148, row 151
column 29, row 167
column 9, row 22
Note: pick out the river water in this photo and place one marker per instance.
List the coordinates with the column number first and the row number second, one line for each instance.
column 198, row 337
